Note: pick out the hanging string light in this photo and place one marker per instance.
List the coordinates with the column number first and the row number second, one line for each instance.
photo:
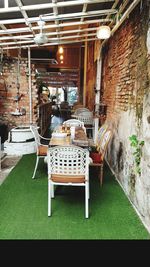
column 61, row 50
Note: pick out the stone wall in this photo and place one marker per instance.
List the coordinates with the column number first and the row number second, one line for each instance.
column 126, row 91
column 9, row 93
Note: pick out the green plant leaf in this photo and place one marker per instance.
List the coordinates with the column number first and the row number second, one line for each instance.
column 137, row 154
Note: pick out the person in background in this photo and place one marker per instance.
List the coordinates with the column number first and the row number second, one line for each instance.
column 56, row 119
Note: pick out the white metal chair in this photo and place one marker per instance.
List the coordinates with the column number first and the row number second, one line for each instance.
column 88, row 120
column 73, row 122
column 68, row 165
column 41, row 149
column 80, row 110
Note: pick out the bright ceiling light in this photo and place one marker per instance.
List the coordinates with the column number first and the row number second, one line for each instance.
column 61, row 57
column 61, row 50
column 103, row 32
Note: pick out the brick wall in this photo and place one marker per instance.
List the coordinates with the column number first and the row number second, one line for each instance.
column 91, row 77
column 126, row 91
column 125, row 76
column 8, row 103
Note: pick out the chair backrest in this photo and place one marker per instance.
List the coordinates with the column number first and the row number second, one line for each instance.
column 104, row 143
column 100, row 134
column 86, row 118
column 68, row 160
column 79, row 110
column 34, row 130
column 73, row 122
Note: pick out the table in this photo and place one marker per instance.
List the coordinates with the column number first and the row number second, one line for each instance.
column 94, row 126
column 68, row 141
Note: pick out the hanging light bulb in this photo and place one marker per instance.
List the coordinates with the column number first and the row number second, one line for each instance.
column 61, row 50
column 61, row 57
column 103, row 32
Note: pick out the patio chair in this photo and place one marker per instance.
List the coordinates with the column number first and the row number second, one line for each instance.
column 80, row 110
column 101, row 150
column 73, row 122
column 88, row 120
column 41, row 149
column 69, row 166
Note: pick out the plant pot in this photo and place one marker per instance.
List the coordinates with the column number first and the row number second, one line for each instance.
column 96, row 157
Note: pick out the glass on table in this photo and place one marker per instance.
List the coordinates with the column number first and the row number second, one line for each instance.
column 63, row 128
column 68, row 130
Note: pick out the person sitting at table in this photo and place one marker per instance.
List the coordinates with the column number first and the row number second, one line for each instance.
column 56, row 120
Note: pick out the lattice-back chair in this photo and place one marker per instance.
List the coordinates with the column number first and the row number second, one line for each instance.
column 102, row 147
column 88, row 120
column 41, row 149
column 80, row 110
column 100, row 134
column 73, row 122
column 68, row 165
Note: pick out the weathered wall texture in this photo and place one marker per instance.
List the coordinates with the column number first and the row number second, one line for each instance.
column 126, row 91
column 91, row 77
column 8, row 103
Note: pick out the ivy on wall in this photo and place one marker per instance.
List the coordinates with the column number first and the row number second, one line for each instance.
column 137, row 152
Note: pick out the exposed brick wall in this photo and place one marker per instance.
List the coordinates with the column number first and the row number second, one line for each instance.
column 8, row 104
column 125, row 76
column 91, row 77
column 126, row 91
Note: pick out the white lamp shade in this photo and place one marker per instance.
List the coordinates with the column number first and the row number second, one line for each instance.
column 103, row 32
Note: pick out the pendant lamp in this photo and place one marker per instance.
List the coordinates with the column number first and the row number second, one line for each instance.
column 103, row 32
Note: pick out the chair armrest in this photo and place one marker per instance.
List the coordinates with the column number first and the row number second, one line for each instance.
column 44, row 137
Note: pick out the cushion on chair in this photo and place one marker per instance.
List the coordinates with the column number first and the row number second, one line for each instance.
column 42, row 150
column 96, row 157
column 68, row 178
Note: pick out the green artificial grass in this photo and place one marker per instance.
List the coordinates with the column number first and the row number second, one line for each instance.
column 23, row 208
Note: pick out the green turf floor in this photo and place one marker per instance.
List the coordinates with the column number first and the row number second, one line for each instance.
column 23, row 208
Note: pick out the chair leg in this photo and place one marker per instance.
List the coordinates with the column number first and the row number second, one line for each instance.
column 37, row 161
column 88, row 190
column 101, row 175
column 49, row 198
column 86, row 201
column 93, row 133
column 52, row 190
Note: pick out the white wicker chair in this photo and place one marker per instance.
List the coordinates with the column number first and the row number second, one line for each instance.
column 73, row 122
column 79, row 110
column 41, row 149
column 68, row 166
column 88, row 120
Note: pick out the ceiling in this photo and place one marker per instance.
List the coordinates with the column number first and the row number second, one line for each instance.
column 66, row 22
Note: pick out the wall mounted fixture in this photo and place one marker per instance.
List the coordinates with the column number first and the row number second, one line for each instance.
column 103, row 32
